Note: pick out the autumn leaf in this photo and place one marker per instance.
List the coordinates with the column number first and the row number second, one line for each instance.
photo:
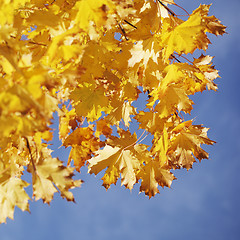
column 183, row 37
column 90, row 102
column 44, row 17
column 150, row 121
column 50, row 176
column 186, row 144
column 103, row 127
column 152, row 175
column 118, row 160
column 173, row 99
column 90, row 10
column 123, row 110
column 144, row 51
column 212, row 24
column 69, row 121
column 83, row 144
column 160, row 147
column 13, row 194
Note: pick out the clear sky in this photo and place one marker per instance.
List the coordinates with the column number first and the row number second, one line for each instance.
column 202, row 203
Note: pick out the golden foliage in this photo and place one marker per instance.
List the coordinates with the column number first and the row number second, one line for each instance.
column 65, row 56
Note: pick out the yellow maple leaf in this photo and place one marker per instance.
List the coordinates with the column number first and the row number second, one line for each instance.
column 152, row 175
column 130, row 92
column 183, row 37
column 83, row 144
column 173, row 76
column 206, row 73
column 180, row 127
column 44, row 17
column 144, row 50
column 90, row 10
column 119, row 157
column 69, row 121
column 50, row 176
column 90, row 102
column 151, row 121
column 186, row 143
column 117, row 160
column 147, row 22
column 123, row 110
column 13, row 194
column 43, row 188
column 160, row 147
column 126, row 139
column 213, row 25
column 103, row 127
column 174, row 98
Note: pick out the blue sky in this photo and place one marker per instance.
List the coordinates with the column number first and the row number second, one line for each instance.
column 202, row 203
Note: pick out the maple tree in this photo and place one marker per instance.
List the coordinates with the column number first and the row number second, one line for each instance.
column 90, row 61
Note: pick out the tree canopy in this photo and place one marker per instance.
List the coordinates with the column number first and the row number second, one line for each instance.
column 90, row 61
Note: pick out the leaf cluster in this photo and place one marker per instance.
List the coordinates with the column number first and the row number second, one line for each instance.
column 90, row 61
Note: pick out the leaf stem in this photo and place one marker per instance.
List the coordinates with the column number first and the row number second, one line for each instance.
column 175, row 58
column 130, row 24
column 168, row 9
column 40, row 44
column 5, row 170
column 185, row 58
column 182, row 9
column 30, row 152
column 123, row 31
column 138, row 140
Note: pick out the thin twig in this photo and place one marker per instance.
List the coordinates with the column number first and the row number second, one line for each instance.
column 185, row 58
column 182, row 9
column 140, row 136
column 182, row 116
column 130, row 24
column 175, row 58
column 168, row 9
column 69, row 104
column 30, row 152
column 81, row 123
column 143, row 138
column 40, row 44
column 123, row 31
column 136, row 142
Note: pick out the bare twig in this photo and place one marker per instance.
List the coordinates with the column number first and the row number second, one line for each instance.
column 182, row 9
column 32, row 42
column 175, row 58
column 123, row 31
column 168, row 9
column 30, row 152
column 130, row 24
